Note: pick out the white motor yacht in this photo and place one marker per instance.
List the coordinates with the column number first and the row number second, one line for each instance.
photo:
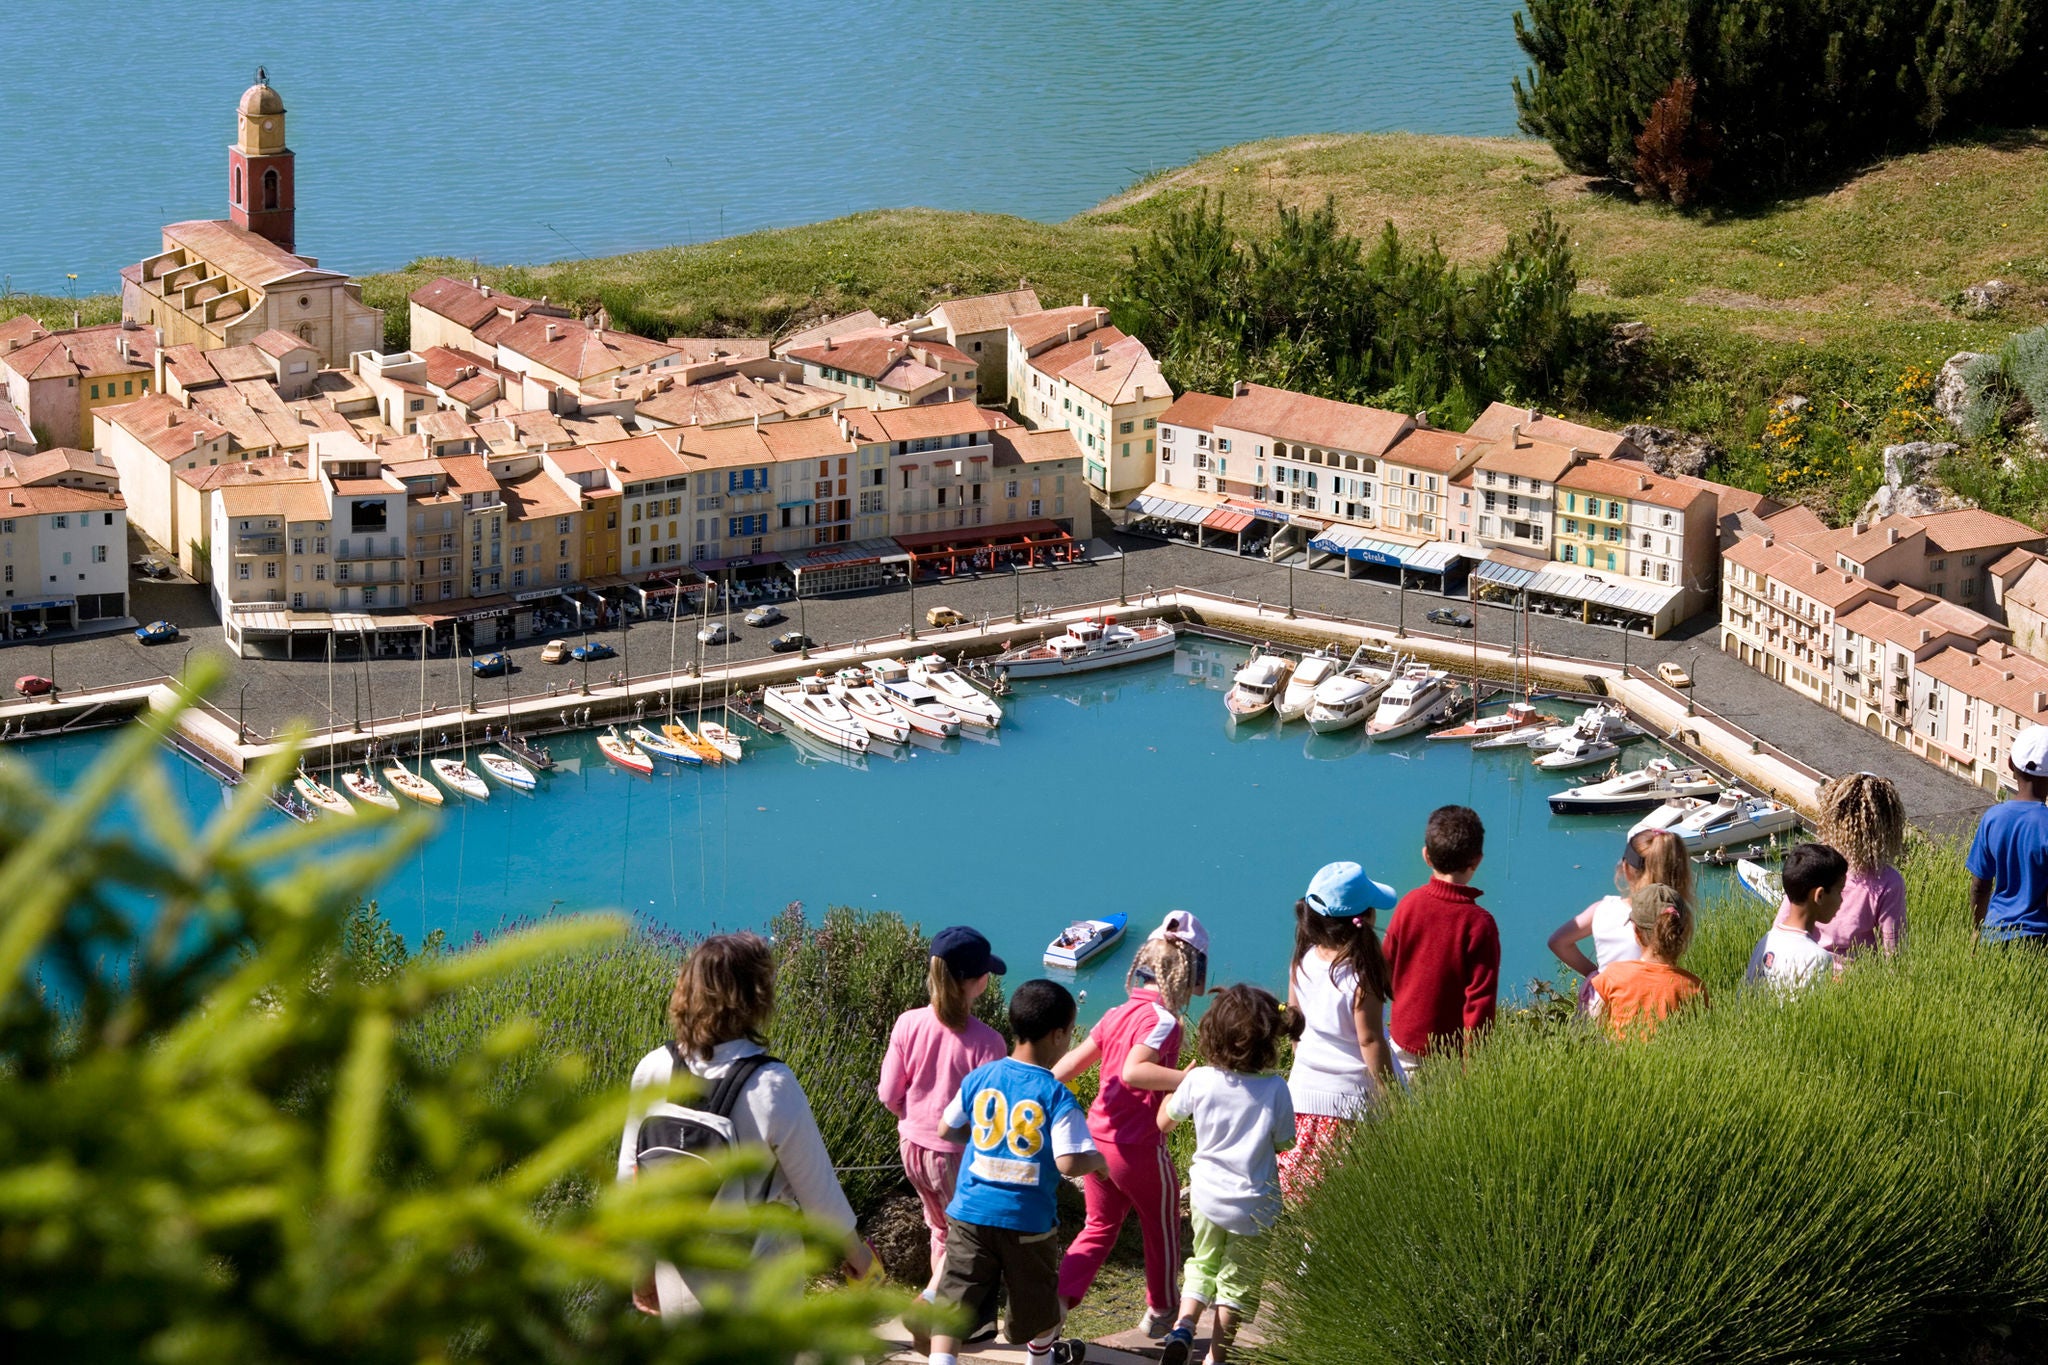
column 1087, row 645
column 1736, row 818
column 1605, row 721
column 1578, row 751
column 1416, row 700
column 926, row 711
column 975, row 706
column 1347, row 699
column 1312, row 672
column 809, row 705
column 1656, row 782
column 1257, row 685
column 868, row 707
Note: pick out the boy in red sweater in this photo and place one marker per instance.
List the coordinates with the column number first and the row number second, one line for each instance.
column 1443, row 951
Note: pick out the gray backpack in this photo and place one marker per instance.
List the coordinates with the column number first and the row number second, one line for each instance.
column 698, row 1131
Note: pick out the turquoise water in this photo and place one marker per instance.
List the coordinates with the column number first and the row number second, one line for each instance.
column 1124, row 790
column 526, row 130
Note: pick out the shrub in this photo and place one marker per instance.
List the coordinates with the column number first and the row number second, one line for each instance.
column 214, row 1147
column 1674, row 152
column 1844, row 1176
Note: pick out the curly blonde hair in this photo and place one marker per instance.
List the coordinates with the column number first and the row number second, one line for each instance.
column 1862, row 817
column 1170, row 964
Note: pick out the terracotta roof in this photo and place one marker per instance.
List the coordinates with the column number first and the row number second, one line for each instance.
column 1196, row 411
column 640, row 457
column 57, row 463
column 1431, row 448
column 1288, row 416
column 1797, row 520
column 538, row 494
column 810, row 438
column 167, row 429
column 892, row 361
column 1499, row 419
column 1996, row 673
column 864, row 320
column 923, row 422
column 1019, row 445
column 1542, row 460
column 467, row 474
column 1033, row 330
column 269, row 469
column 279, row 344
column 1863, row 545
column 1728, row 499
column 242, row 255
column 1800, row 571
column 14, row 428
column 1972, row 528
column 42, row 499
column 468, row 305
column 2015, row 562
column 735, row 398
column 984, row 312
column 2030, row 589
column 1629, row 480
column 81, row 352
column 705, row 350
column 578, row 351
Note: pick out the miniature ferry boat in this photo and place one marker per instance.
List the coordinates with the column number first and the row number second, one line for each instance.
column 320, row 796
column 1257, row 685
column 1087, row 645
column 366, row 788
column 975, row 707
column 661, row 746
column 1347, row 699
column 1736, row 818
column 456, row 775
column 412, row 786
column 1520, row 715
column 623, row 752
column 1419, row 698
column 1577, row 751
column 1085, row 940
column 868, row 707
column 810, row 706
column 1645, row 788
column 1300, row 693
column 509, row 771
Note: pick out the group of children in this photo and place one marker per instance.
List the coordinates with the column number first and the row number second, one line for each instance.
column 988, row 1135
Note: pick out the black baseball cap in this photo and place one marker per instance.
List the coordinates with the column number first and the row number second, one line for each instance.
column 966, row 952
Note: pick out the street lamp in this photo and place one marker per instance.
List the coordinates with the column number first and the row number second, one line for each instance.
column 1017, row 583
column 1401, row 601
column 913, row 596
column 803, row 620
column 1123, row 559
column 1290, row 587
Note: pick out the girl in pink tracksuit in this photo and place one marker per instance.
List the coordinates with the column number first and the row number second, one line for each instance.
column 1138, row 1046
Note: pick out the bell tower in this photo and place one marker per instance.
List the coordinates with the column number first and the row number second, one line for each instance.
column 260, row 166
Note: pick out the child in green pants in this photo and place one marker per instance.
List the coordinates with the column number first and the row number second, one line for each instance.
column 1243, row 1118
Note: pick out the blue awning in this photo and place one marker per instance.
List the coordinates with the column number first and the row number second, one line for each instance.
column 1352, row 543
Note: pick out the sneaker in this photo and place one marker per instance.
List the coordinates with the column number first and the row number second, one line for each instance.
column 1177, row 1347
column 1069, row 1351
column 1155, row 1325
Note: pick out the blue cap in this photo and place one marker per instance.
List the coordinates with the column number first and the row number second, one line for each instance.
column 966, row 953
column 1342, row 889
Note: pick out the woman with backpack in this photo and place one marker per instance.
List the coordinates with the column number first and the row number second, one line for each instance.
column 719, row 1011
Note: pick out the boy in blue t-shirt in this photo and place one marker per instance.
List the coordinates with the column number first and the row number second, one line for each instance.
column 1023, row 1131
column 2008, row 859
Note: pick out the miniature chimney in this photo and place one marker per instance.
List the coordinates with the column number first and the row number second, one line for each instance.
column 1422, row 418
column 1073, row 329
column 1084, row 300
column 1095, row 347
column 550, row 331
column 1770, row 539
column 1975, row 661
column 2040, row 702
column 828, row 342
column 1515, row 434
column 1141, row 393
column 1240, row 389
column 1891, row 535
column 1925, row 635
column 1642, row 483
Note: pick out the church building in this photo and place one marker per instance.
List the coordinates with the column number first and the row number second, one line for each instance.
column 224, row 282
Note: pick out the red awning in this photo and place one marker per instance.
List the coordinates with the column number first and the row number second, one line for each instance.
column 1227, row 520
column 974, row 537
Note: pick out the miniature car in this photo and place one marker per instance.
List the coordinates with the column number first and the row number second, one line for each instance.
column 717, row 633
column 767, row 614
column 943, row 616
column 34, row 685
column 791, row 640
column 156, row 632
column 1450, row 616
column 149, row 566
column 489, row 665
column 593, row 651
column 555, row 652
column 1671, row 675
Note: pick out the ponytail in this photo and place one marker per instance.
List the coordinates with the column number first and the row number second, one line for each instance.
column 1354, row 940
column 949, row 995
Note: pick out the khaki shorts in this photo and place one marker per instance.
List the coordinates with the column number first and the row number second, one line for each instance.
column 1026, row 1263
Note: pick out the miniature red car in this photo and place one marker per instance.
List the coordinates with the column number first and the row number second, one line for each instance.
column 33, row 685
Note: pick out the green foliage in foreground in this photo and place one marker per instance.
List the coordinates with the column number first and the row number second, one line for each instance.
column 1853, row 1175
column 840, row 984
column 1307, row 307
column 215, row 1147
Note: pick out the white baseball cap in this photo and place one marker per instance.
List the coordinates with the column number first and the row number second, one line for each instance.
column 1183, row 925
column 2030, row 751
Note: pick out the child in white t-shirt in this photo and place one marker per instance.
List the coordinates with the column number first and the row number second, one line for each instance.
column 1788, row 958
column 1243, row 1118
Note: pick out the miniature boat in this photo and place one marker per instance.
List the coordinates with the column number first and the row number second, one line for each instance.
column 1578, row 751
column 1644, row 788
column 412, row 786
column 1300, row 693
column 509, row 771
column 1766, row 885
column 1257, row 685
column 364, row 787
column 1086, row 645
column 1520, row 715
column 864, row 702
column 1513, row 739
column 623, row 752
column 924, row 709
column 661, row 746
column 1084, row 940
column 1605, row 721
column 455, row 775
column 1736, row 818
column 1347, row 699
column 974, row 706
column 320, row 796
column 809, row 705
column 723, row 742
column 1419, row 698
column 679, row 733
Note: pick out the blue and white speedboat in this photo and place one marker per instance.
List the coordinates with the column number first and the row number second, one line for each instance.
column 1085, row 940
column 661, row 746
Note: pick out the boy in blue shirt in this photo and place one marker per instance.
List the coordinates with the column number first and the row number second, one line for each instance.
column 1023, row 1131
column 2009, row 858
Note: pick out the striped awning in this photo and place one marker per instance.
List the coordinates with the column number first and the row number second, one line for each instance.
column 1435, row 557
column 1352, row 543
column 1621, row 594
column 1169, row 509
column 1505, row 575
column 1228, row 520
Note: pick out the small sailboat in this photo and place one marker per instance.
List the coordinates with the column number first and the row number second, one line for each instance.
column 1257, row 685
column 412, row 786
column 456, row 775
column 723, row 742
column 662, row 746
column 1300, row 692
column 509, row 771
column 1520, row 715
column 868, row 708
column 975, row 707
column 368, row 789
column 623, row 752
column 1084, row 940
column 1578, row 751
column 1766, row 885
column 320, row 796
column 691, row 740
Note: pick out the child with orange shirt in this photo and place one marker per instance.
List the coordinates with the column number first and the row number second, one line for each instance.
column 1636, row 997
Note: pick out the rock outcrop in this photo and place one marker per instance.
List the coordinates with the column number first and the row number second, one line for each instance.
column 1952, row 387
column 1671, row 452
column 1987, row 297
